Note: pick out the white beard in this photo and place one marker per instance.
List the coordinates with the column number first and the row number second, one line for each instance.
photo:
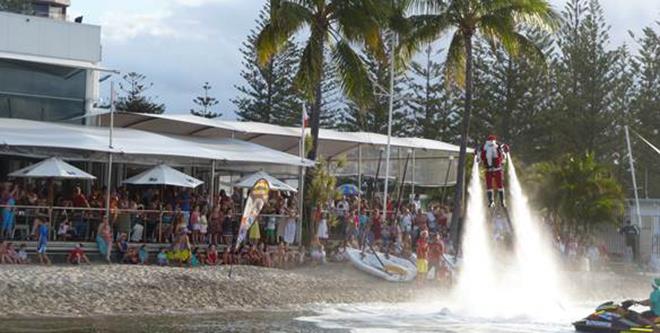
column 491, row 151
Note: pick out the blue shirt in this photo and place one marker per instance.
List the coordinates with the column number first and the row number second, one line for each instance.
column 655, row 302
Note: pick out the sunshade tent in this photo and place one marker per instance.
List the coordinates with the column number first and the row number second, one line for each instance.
column 52, row 168
column 36, row 138
column 164, row 175
column 274, row 183
column 430, row 159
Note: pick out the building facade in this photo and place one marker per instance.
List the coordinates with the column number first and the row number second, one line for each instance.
column 49, row 67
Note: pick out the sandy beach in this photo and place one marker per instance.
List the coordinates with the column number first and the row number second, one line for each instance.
column 66, row 291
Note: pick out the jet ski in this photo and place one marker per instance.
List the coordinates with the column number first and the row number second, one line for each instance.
column 614, row 318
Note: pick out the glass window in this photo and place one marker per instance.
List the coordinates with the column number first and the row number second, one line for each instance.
column 41, row 92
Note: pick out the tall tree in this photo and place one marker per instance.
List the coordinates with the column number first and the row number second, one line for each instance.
column 267, row 94
column 586, row 77
column 646, row 107
column 374, row 117
column 498, row 22
column 332, row 24
column 134, row 87
column 433, row 103
column 511, row 96
column 205, row 103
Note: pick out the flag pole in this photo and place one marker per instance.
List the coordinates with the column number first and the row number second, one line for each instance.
column 112, row 124
column 301, row 187
column 634, row 179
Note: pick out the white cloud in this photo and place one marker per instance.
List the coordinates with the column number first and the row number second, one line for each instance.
column 123, row 26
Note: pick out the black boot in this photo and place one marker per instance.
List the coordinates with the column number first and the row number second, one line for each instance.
column 501, row 195
column 491, row 200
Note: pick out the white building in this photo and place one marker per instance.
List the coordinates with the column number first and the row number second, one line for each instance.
column 49, row 67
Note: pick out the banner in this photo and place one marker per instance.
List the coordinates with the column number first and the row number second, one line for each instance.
column 255, row 202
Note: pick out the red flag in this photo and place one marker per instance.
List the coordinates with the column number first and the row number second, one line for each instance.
column 305, row 119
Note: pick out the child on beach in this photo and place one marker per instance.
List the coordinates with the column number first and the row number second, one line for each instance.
column 212, row 256
column 254, row 256
column 194, row 258
column 194, row 225
column 203, row 226
column 22, row 255
column 266, row 260
column 143, row 255
column 42, row 237
column 422, row 253
column 4, row 254
column 227, row 255
column 215, row 226
column 77, row 256
column 161, row 258
column 122, row 247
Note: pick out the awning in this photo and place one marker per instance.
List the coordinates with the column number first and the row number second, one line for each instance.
column 332, row 143
column 56, row 62
column 26, row 137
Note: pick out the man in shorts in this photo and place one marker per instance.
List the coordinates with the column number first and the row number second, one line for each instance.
column 422, row 254
column 42, row 235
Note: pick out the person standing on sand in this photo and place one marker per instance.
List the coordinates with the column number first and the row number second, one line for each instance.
column 42, row 236
column 104, row 239
column 422, row 253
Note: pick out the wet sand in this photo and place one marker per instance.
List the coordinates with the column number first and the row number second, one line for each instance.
column 97, row 290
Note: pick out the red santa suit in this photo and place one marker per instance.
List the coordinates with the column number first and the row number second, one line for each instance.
column 493, row 156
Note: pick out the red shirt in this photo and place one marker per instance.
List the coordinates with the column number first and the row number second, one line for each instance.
column 422, row 248
column 79, row 201
column 435, row 251
column 76, row 253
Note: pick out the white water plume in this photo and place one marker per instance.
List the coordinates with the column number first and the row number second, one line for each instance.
column 476, row 277
column 536, row 259
column 492, row 286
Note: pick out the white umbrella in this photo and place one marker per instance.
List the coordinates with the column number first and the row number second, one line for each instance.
column 52, row 168
column 275, row 184
column 164, row 175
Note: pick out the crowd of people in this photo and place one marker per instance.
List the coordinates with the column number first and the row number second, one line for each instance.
column 407, row 230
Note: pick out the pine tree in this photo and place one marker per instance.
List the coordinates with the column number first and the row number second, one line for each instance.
column 205, row 103
column 268, row 94
column 135, row 101
column 374, row 117
column 646, row 108
column 433, row 105
column 584, row 119
column 511, row 97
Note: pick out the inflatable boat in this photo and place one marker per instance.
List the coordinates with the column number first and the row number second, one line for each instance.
column 393, row 269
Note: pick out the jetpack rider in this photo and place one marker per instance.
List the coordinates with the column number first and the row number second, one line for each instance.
column 493, row 155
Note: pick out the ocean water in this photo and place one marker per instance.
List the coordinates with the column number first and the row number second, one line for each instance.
column 359, row 318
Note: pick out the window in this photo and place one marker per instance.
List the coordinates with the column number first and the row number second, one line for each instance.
column 41, row 92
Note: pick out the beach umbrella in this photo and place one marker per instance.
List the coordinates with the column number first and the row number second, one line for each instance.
column 53, row 168
column 164, row 175
column 273, row 183
column 348, row 189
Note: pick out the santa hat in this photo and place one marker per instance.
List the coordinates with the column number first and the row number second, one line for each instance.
column 491, row 137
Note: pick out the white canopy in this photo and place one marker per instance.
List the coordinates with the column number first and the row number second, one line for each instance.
column 274, row 183
column 332, row 142
column 32, row 138
column 52, row 168
column 164, row 175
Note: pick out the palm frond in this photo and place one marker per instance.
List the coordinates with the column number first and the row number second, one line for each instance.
column 354, row 76
column 456, row 60
column 287, row 18
column 425, row 29
column 310, row 71
column 533, row 13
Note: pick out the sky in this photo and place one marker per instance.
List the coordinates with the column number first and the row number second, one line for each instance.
column 180, row 44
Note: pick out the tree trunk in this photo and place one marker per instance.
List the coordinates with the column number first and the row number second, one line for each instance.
column 462, row 157
column 315, row 121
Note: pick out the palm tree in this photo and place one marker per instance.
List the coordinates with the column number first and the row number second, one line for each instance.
column 334, row 25
column 499, row 22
